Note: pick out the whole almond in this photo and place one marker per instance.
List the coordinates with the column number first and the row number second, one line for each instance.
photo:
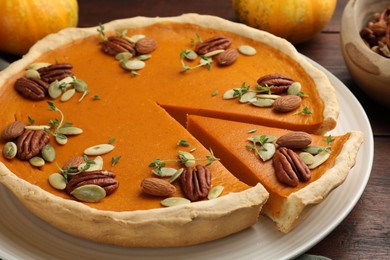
column 287, row 103
column 145, row 45
column 73, row 162
column 227, row 57
column 157, row 187
column 294, row 140
column 13, row 130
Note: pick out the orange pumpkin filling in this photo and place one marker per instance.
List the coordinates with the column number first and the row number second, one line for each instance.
column 130, row 110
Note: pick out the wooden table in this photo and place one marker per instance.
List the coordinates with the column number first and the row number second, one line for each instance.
column 365, row 233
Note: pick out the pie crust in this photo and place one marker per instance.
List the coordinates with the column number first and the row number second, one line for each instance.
column 180, row 225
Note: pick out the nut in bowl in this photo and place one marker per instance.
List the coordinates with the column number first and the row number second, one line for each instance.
column 369, row 69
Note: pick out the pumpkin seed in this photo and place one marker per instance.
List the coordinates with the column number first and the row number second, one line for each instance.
column 89, row 193
column 99, row 149
column 165, row 172
column 307, row 158
column 213, row 53
column 48, row 153
column 215, row 192
column 247, row 50
column 54, row 89
column 80, row 85
column 38, row 65
column 271, row 96
column 70, row 130
column 174, row 201
column 37, row 161
column 67, row 80
column 124, row 56
column 31, row 73
column 57, row 181
column 314, row 149
column 190, row 55
column 144, row 56
column 68, row 95
column 134, row 38
column 10, row 150
column 294, row 89
column 97, row 166
column 245, row 98
column 36, row 127
column 133, row 64
column 231, row 93
column 267, row 151
column 319, row 159
column 262, row 102
column 176, row 175
column 187, row 158
column 61, row 139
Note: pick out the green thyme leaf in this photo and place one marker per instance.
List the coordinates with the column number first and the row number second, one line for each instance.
column 115, row 160
column 31, row 120
column 183, row 143
column 111, row 140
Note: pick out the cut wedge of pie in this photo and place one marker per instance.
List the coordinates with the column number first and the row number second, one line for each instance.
column 286, row 205
column 124, row 116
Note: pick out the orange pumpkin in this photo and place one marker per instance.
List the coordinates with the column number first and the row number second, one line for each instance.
column 23, row 22
column 295, row 20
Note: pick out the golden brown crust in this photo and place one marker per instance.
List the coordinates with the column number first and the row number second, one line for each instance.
column 297, row 204
column 163, row 227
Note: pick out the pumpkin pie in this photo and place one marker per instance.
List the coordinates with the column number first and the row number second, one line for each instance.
column 139, row 111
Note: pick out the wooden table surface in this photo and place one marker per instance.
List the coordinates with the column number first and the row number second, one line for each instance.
column 365, row 233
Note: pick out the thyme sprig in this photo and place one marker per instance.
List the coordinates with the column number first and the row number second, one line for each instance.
column 56, row 123
column 305, row 111
column 238, row 92
column 182, row 159
column 74, row 170
column 264, row 89
column 204, row 61
column 258, row 141
column 100, row 30
column 198, row 40
column 328, row 140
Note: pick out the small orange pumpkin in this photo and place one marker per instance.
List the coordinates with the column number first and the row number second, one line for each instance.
column 23, row 22
column 295, row 20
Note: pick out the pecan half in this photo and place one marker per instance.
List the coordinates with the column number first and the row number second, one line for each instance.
column 195, row 182
column 289, row 167
column 55, row 72
column 278, row 83
column 212, row 44
column 117, row 44
column 30, row 143
column 31, row 88
column 102, row 178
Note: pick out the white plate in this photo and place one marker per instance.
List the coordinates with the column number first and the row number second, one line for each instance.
column 24, row 236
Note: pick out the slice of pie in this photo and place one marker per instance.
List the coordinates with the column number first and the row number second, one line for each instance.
column 91, row 113
column 287, row 204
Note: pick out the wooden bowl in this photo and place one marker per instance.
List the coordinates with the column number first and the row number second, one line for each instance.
column 370, row 70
